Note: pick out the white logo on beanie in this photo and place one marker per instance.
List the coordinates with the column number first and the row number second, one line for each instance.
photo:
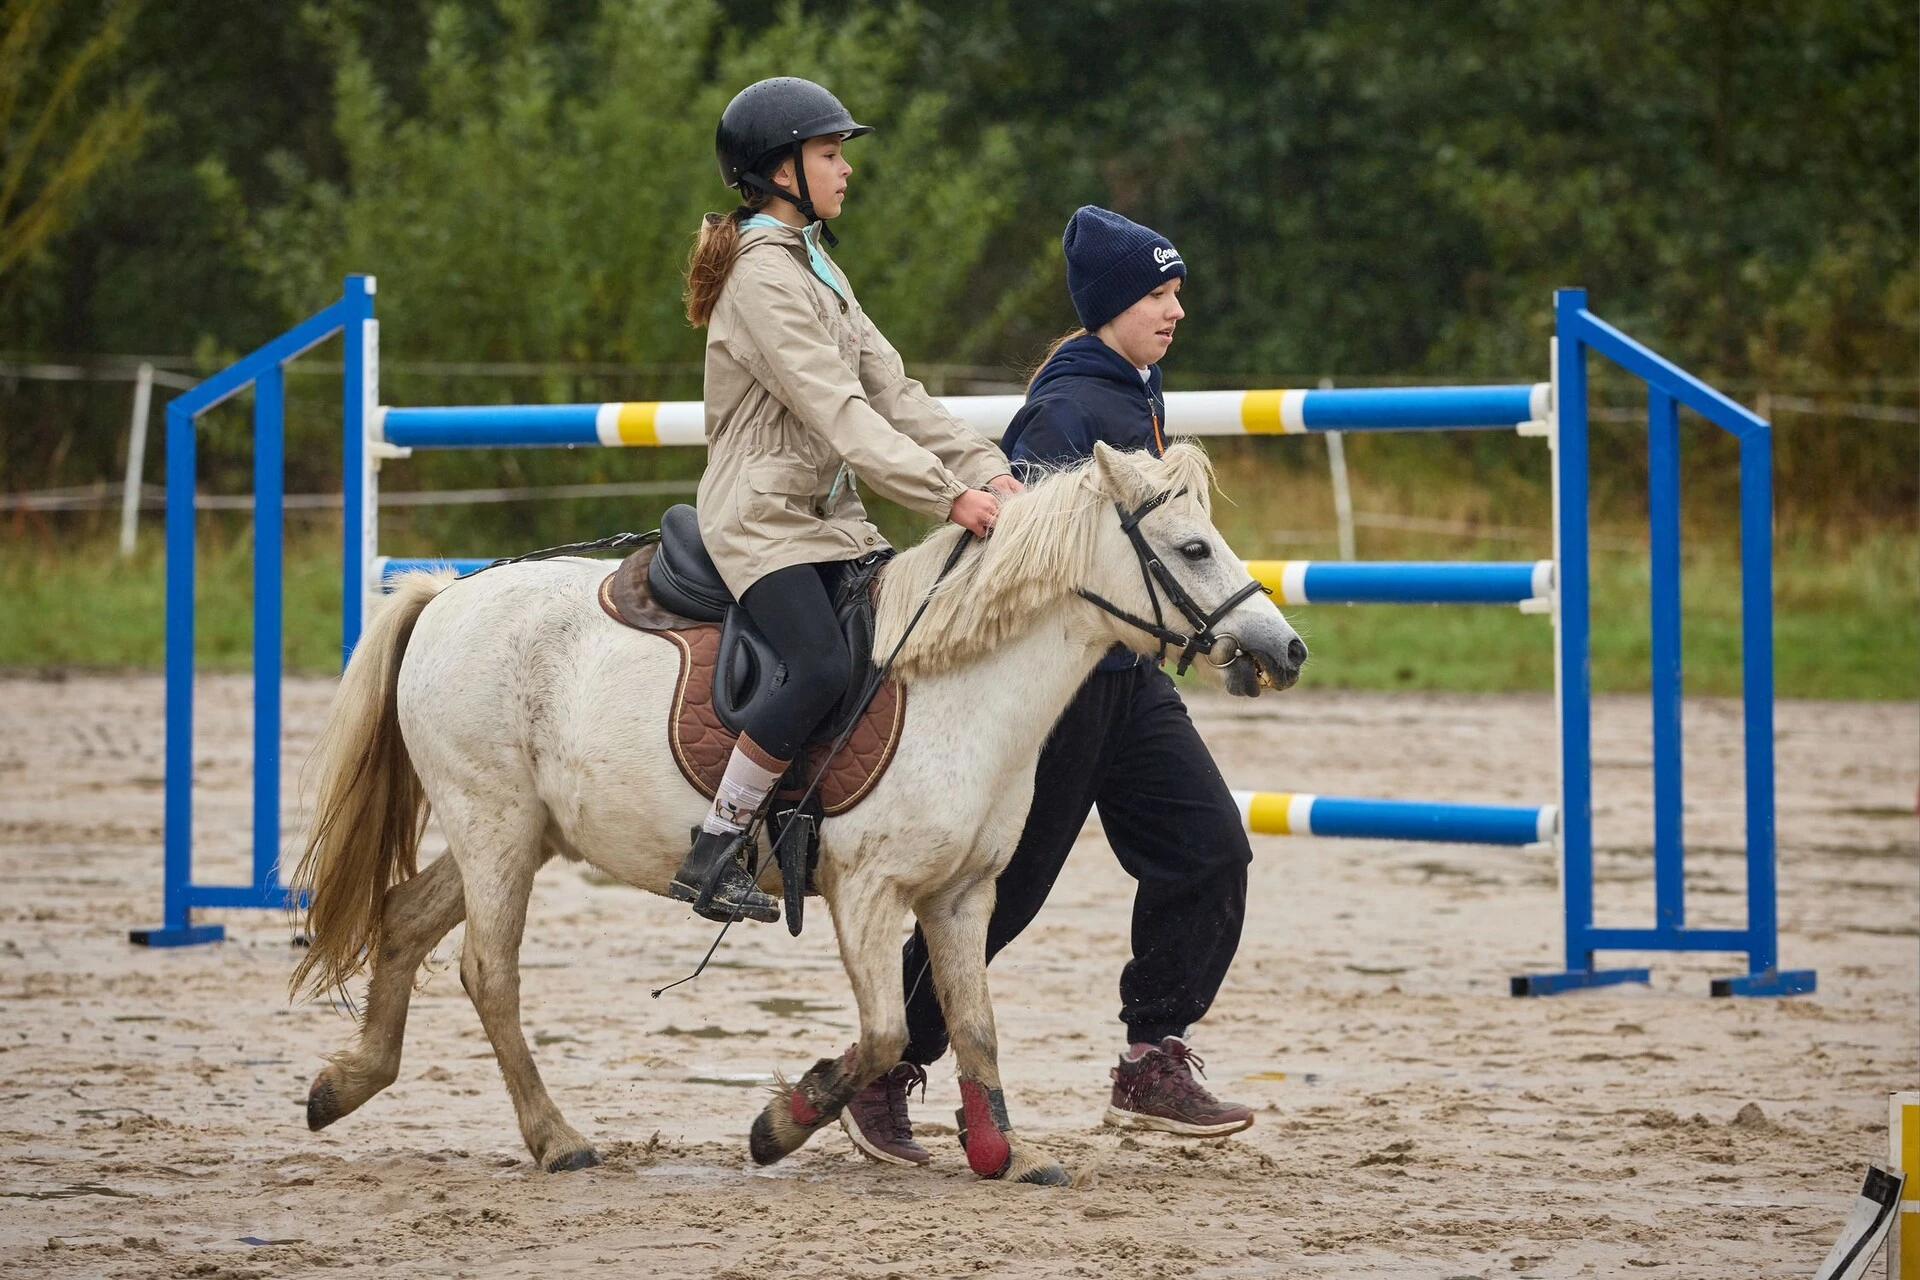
column 1167, row 257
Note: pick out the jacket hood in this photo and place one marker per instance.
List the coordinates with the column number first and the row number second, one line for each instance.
column 1088, row 357
column 761, row 233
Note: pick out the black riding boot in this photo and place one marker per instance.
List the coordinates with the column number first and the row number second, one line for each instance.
column 717, row 884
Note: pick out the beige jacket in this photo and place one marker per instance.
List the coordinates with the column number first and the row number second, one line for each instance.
column 797, row 382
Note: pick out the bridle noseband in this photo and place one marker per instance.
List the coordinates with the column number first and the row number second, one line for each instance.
column 1152, row 571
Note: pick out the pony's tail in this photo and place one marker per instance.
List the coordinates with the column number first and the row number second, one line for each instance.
column 371, row 808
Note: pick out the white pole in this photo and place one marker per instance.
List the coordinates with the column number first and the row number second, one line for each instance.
column 1342, row 497
column 136, row 460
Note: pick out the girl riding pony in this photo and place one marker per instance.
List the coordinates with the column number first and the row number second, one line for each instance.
column 802, row 392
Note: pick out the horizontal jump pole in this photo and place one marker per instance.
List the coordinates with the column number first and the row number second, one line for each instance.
column 1190, row 413
column 1404, row 581
column 1291, row 581
column 1293, row 813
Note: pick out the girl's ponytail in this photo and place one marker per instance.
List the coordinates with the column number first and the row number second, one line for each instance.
column 1052, row 348
column 711, row 261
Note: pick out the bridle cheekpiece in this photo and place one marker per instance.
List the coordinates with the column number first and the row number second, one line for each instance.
column 1202, row 638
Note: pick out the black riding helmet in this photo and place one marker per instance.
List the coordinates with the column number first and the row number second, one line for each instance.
column 768, row 121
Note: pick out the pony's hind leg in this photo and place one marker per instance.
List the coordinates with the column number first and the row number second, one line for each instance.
column 955, row 926
column 499, row 855
column 415, row 914
column 867, row 915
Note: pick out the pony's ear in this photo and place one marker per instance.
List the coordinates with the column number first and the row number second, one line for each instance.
column 1117, row 474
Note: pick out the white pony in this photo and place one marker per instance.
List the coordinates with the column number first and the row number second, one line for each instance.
column 535, row 725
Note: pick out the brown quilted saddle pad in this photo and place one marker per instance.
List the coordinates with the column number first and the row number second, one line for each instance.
column 701, row 743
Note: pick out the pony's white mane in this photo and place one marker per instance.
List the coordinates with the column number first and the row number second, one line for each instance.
column 1041, row 550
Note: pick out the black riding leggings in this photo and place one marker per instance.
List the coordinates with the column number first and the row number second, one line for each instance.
column 793, row 607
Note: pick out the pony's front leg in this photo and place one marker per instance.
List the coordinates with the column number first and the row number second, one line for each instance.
column 867, row 916
column 956, row 933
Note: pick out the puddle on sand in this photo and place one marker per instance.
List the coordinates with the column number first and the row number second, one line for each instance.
column 734, row 1079
column 710, row 1033
column 69, row 1191
column 788, row 1007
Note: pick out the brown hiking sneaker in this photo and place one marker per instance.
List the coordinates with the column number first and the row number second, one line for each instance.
column 1160, row 1091
column 876, row 1119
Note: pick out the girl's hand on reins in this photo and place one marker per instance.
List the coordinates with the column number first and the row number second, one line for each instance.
column 1005, row 484
column 975, row 511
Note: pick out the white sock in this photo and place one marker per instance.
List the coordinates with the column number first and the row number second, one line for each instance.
column 751, row 774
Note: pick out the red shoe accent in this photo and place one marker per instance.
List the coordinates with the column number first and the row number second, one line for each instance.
column 988, row 1151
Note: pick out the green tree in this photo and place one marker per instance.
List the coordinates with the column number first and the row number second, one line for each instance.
column 57, row 132
column 541, row 203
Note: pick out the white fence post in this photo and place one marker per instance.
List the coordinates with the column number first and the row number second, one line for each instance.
column 136, row 460
column 1342, row 497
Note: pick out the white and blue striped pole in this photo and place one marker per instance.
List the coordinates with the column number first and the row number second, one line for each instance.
column 1298, row 813
column 1405, row 581
column 1292, row 581
column 1191, row 413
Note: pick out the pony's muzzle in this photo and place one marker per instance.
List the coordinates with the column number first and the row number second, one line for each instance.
column 1254, row 669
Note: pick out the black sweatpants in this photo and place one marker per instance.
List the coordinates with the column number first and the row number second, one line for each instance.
column 793, row 607
column 1126, row 744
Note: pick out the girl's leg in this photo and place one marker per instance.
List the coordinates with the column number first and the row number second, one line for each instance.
column 1174, row 827
column 794, row 610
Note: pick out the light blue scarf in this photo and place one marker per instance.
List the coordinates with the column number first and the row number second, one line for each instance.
column 815, row 255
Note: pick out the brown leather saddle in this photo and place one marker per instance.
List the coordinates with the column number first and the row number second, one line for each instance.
column 671, row 588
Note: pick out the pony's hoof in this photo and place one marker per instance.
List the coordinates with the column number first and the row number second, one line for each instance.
column 1047, row 1175
column 585, row 1158
column 323, row 1108
column 763, row 1143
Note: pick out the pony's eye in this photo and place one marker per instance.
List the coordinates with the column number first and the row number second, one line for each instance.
column 1196, row 550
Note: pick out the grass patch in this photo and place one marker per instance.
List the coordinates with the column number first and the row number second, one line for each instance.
column 1847, row 621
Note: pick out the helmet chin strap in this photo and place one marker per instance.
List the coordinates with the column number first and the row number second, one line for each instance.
column 803, row 202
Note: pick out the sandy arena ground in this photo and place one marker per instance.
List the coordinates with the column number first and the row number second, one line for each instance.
column 1414, row 1119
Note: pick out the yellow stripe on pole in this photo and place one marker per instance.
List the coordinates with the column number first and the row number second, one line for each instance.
column 1260, row 413
column 1903, row 1152
column 1267, row 813
column 635, row 423
column 1271, row 574
column 1910, row 1153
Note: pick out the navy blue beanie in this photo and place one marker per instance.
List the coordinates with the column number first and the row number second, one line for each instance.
column 1113, row 262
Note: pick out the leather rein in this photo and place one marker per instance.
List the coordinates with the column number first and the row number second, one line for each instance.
column 1154, row 573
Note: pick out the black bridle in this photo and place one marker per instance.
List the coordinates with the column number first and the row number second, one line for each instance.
column 1152, row 571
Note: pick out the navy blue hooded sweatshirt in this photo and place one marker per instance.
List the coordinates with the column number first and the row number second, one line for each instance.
column 1086, row 392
